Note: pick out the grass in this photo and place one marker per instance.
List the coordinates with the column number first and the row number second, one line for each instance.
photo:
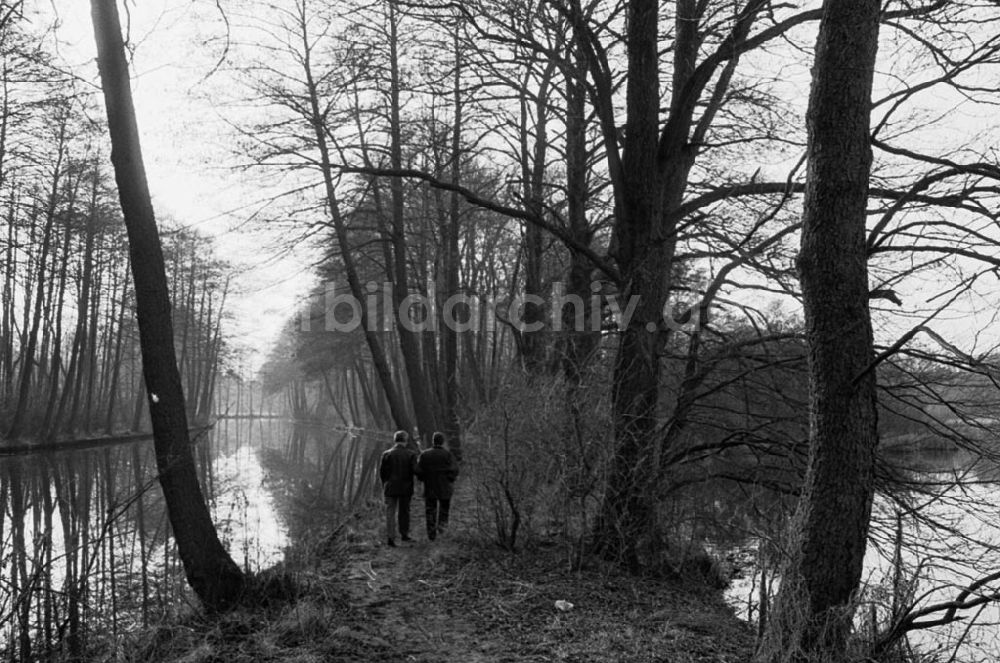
column 347, row 597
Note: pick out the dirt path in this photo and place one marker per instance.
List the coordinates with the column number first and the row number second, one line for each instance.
column 456, row 600
column 459, row 600
column 410, row 601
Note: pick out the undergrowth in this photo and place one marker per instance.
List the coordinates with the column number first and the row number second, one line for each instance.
column 343, row 596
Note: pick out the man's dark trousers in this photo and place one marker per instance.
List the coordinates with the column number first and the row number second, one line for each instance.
column 437, row 516
column 397, row 509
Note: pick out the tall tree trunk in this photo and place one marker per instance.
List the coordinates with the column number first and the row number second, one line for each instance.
column 627, row 516
column 48, row 428
column 29, row 347
column 9, row 259
column 74, row 385
column 533, row 157
column 813, row 610
column 115, row 367
column 196, row 359
column 184, row 314
column 89, row 358
column 580, row 341
column 649, row 178
column 210, row 570
column 375, row 347
column 29, row 283
column 409, row 341
column 212, row 362
column 7, row 310
column 110, row 363
column 451, row 263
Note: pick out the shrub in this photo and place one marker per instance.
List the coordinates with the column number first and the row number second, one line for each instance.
column 538, row 454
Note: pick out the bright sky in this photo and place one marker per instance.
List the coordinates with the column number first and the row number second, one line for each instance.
column 189, row 153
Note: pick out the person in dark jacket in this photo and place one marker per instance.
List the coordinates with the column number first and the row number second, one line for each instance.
column 438, row 469
column 396, row 470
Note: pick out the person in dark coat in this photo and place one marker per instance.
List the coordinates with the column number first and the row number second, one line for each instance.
column 396, row 470
column 438, row 469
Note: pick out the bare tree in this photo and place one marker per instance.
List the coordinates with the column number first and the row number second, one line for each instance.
column 210, row 570
column 813, row 611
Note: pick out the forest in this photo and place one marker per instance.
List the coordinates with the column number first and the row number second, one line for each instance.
column 702, row 295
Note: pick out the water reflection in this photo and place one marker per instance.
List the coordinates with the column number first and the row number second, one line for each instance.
column 244, row 510
column 84, row 545
column 927, row 544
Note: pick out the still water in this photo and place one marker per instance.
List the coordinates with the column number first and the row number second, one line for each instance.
column 927, row 545
column 84, row 536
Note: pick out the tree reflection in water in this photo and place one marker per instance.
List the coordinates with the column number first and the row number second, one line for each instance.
column 935, row 535
column 84, row 540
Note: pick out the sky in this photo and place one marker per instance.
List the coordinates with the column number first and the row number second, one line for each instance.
column 189, row 152
column 190, row 155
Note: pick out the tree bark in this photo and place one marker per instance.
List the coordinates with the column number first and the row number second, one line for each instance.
column 640, row 252
column 409, row 342
column 55, row 361
column 30, row 345
column 649, row 177
column 9, row 261
column 209, row 569
column 115, row 365
column 74, row 380
column 812, row 615
column 452, row 263
column 7, row 308
column 579, row 343
column 533, row 157
column 317, row 119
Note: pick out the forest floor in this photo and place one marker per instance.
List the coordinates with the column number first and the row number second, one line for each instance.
column 456, row 599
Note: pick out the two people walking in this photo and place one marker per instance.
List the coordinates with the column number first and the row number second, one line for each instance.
column 436, row 467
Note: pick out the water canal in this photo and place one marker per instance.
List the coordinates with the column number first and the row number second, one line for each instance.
column 84, row 540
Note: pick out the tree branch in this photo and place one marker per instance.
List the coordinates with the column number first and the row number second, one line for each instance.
column 485, row 203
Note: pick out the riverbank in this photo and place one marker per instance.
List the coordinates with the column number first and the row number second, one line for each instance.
column 456, row 599
column 27, row 446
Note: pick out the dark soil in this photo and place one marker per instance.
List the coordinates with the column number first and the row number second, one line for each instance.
column 456, row 599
